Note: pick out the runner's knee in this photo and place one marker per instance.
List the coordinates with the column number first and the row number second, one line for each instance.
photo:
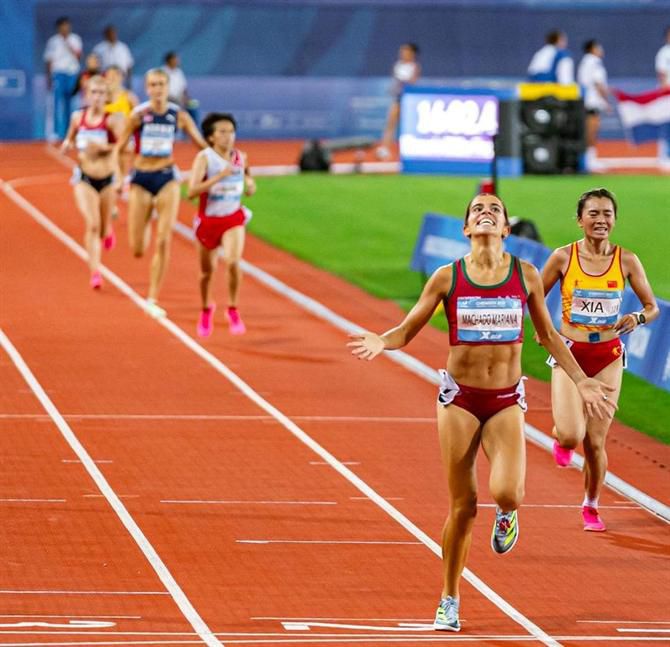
column 508, row 497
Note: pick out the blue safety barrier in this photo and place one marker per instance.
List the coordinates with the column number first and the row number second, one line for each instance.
column 441, row 241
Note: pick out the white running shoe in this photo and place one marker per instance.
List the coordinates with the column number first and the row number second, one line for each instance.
column 446, row 616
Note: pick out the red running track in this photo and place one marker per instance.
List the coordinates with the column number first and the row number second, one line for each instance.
column 261, row 537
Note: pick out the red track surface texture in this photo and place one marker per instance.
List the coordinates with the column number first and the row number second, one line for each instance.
column 265, row 540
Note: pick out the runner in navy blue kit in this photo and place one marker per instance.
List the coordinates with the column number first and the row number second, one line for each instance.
column 481, row 397
column 155, row 179
column 219, row 177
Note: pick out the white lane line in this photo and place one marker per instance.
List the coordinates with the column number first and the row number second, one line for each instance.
column 642, row 630
column 74, row 460
column 163, row 416
column 416, row 366
column 66, row 592
column 100, row 496
column 114, row 501
column 232, row 377
column 326, row 541
column 73, row 616
column 343, row 463
column 233, row 502
column 365, row 498
column 565, row 505
column 33, row 500
column 626, row 622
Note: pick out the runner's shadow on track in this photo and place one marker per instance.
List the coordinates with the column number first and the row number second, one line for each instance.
column 640, row 544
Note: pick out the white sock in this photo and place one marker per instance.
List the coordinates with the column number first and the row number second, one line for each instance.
column 590, row 503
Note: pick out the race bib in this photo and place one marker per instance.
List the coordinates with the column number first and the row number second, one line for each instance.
column 595, row 307
column 156, row 140
column 84, row 137
column 494, row 319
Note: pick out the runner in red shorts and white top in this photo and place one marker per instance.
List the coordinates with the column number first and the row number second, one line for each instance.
column 481, row 400
column 219, row 177
column 592, row 273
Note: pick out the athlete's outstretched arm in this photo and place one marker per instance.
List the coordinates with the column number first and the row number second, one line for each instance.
column 368, row 345
column 593, row 392
column 187, row 124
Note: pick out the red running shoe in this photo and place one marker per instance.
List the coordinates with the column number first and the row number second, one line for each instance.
column 96, row 280
column 206, row 321
column 109, row 241
column 235, row 324
column 562, row 456
column 592, row 520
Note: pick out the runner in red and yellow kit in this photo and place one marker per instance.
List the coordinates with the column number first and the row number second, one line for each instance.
column 592, row 273
column 480, row 400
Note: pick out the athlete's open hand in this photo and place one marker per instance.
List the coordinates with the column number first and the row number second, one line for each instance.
column 626, row 324
column 597, row 398
column 365, row 345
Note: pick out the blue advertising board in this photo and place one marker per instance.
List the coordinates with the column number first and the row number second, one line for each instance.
column 441, row 241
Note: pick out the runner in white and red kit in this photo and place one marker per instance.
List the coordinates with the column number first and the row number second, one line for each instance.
column 220, row 176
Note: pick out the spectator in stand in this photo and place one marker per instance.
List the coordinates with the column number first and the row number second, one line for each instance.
column 114, row 52
column 178, row 87
column 553, row 63
column 662, row 65
column 406, row 71
column 592, row 76
column 91, row 68
column 62, row 55
column 662, row 62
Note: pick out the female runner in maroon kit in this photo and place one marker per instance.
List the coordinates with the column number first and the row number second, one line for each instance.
column 481, row 397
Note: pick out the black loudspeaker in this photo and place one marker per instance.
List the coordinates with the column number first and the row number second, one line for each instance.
column 546, row 116
column 314, row 157
column 540, row 154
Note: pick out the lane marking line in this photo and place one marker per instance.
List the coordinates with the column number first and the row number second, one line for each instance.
column 150, row 553
column 195, row 416
column 327, row 541
column 223, row 502
column 218, row 365
column 66, row 592
column 33, row 501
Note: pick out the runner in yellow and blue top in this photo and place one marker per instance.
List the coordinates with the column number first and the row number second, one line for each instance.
column 592, row 273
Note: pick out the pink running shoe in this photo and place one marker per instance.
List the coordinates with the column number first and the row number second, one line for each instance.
column 562, row 456
column 592, row 520
column 235, row 324
column 109, row 241
column 96, row 280
column 206, row 321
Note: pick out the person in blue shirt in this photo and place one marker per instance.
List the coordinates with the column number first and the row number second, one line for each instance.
column 553, row 63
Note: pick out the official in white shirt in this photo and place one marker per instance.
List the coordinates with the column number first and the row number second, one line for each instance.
column 178, row 87
column 112, row 51
column 552, row 63
column 592, row 76
column 662, row 62
column 62, row 55
column 662, row 65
